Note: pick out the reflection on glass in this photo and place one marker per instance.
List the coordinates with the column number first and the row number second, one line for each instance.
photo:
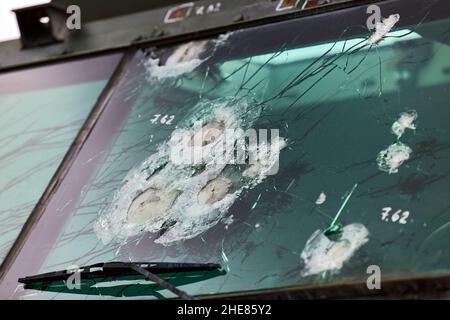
column 41, row 110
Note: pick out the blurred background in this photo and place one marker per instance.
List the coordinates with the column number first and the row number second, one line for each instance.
column 8, row 24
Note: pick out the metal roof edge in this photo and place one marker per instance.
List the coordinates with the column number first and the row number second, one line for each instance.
column 151, row 28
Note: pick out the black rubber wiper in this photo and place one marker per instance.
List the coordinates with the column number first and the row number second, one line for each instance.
column 115, row 269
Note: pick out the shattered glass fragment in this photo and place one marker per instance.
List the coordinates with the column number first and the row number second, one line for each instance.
column 252, row 171
column 390, row 159
column 185, row 58
column 151, row 203
column 226, row 261
column 382, row 28
column 321, row 199
column 228, row 221
column 214, row 191
column 406, row 121
column 322, row 254
column 256, row 202
column 209, row 133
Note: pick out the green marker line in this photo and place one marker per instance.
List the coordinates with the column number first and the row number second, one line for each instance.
column 342, row 207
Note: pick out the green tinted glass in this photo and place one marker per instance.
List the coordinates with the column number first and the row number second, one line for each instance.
column 41, row 110
column 361, row 179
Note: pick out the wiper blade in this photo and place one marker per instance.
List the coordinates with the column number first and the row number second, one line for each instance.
column 114, row 269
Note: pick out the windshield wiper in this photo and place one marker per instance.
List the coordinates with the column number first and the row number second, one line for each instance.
column 115, row 269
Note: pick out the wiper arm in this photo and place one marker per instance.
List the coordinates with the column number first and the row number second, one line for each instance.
column 114, row 269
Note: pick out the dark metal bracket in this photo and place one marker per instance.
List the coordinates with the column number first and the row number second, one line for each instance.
column 41, row 25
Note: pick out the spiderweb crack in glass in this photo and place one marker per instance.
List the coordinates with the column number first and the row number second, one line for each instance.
column 188, row 198
column 335, row 101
